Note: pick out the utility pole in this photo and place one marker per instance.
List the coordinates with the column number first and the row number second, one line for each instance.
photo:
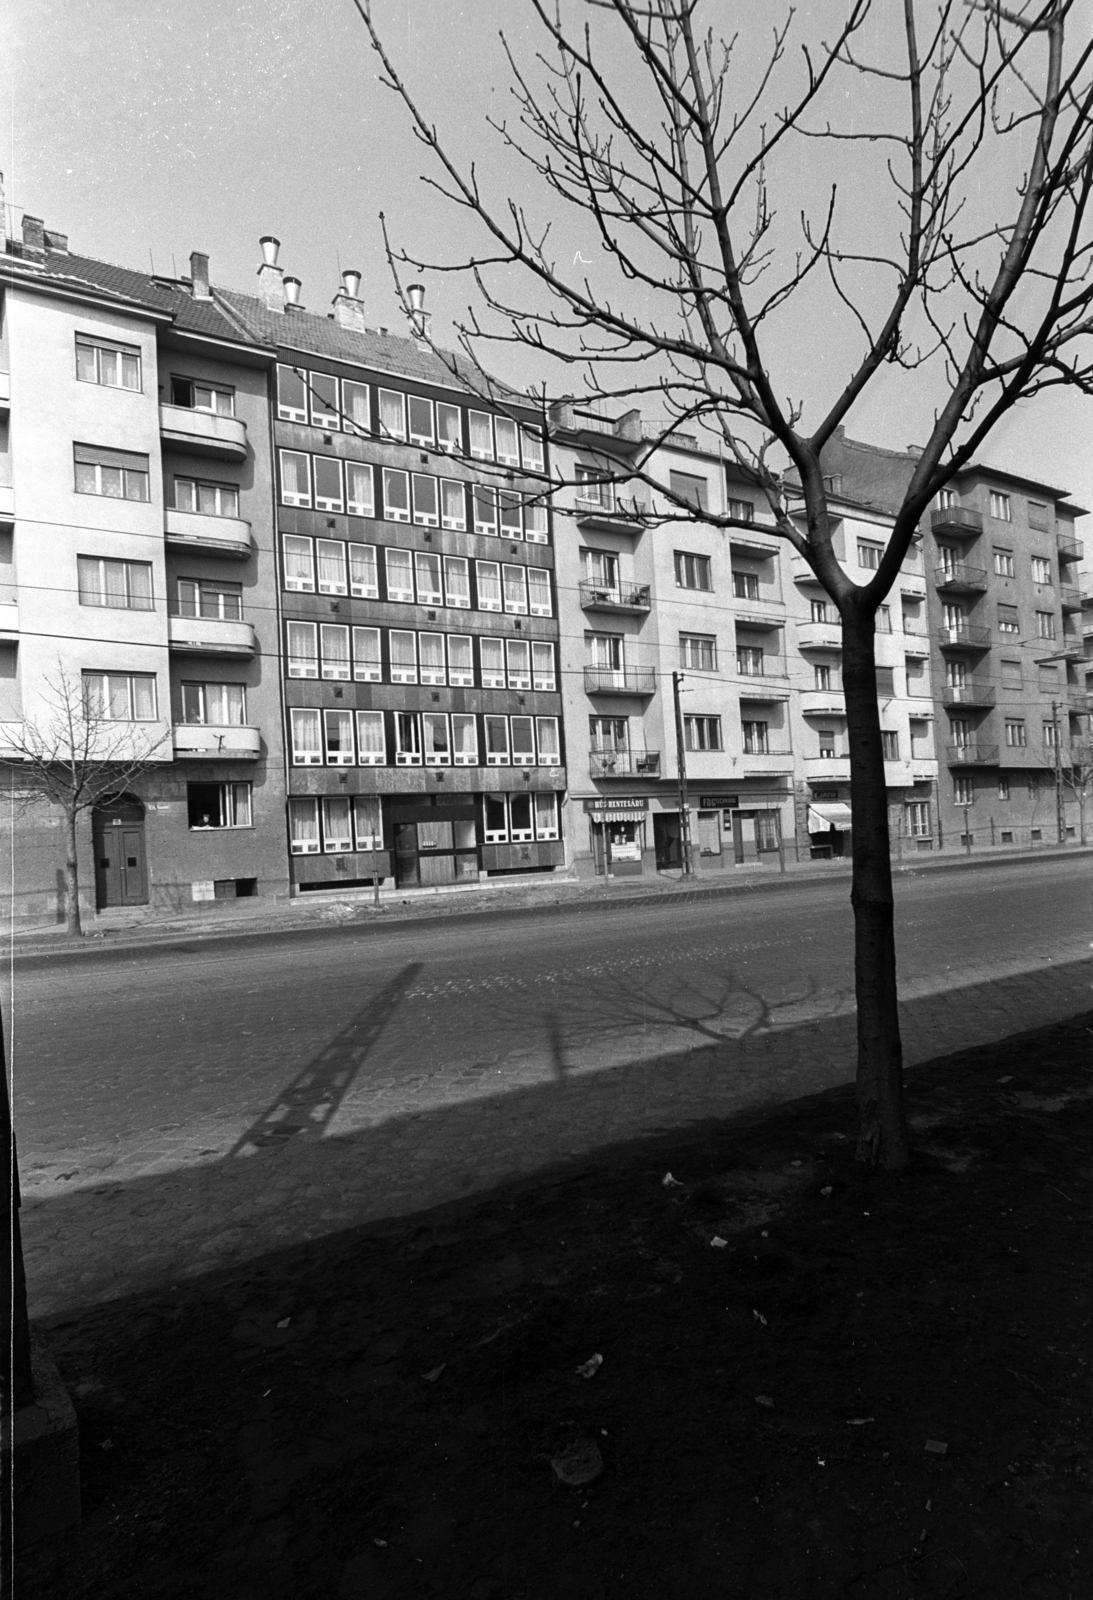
column 681, row 769
column 1060, row 818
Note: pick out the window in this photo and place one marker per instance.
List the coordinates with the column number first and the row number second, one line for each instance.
column 484, row 500
column 464, row 740
column 396, row 495
column 496, row 828
column 1051, row 733
column 299, row 559
column 215, row 705
column 756, row 740
column 115, row 474
column 403, row 648
column 522, row 732
column 421, row 419
column 963, row 789
column 745, row 585
column 120, row 696
column 605, row 650
column 1016, row 738
column 960, row 732
column 449, row 427
column 302, row 650
column 460, row 661
column 115, row 366
column 367, row 822
column 510, row 509
column 1041, row 570
column 820, row 611
column 698, row 651
column 741, row 510
column 1003, row 563
column 886, row 683
column 542, row 667
column 488, row 580
column 956, row 674
column 1003, row 788
column 295, row 478
column 431, row 658
column 548, row 741
column 363, row 571
column 1045, row 624
column 535, row 520
column 330, row 556
column 306, row 736
column 1000, row 506
column 323, row 393
column 360, row 497
column 918, row 819
column 869, row 554
column 371, row 743
column 218, row 805
column 497, row 741
column 539, row 592
column 890, row 742
column 491, row 654
column 338, row 727
column 337, row 837
column 356, row 410
column 531, row 449
column 435, row 740
column 821, row 678
column 366, row 655
column 398, row 565
column 392, row 415
column 426, row 505
column 516, row 593
column 1047, row 674
column 884, row 619
column 407, row 739
column 702, row 733
column 546, row 816
column 457, row 582
column 429, row 590
column 328, row 484
column 594, row 490
column 303, row 827
column 206, row 597
column 207, row 499
column 291, row 395
column 481, row 426
column 453, row 505
column 1034, row 784
column 694, row 492
column 1011, row 673
column 918, row 679
column 125, row 585
column 749, row 661
column 826, row 740
column 520, row 823
column 1007, row 619
column 518, row 657
column 334, row 645
column 508, row 450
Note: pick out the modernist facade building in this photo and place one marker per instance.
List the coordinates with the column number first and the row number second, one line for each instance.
column 136, row 559
column 1009, row 651
column 420, row 633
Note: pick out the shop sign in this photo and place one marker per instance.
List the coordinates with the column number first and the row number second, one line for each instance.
column 617, row 807
column 719, row 802
column 825, row 794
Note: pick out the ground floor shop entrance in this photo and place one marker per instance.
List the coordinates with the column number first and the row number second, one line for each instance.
column 435, row 843
column 121, row 868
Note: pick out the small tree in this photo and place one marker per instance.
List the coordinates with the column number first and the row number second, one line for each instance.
column 75, row 757
column 961, row 131
column 1077, row 776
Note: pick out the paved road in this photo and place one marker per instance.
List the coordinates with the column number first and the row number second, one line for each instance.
column 182, row 1108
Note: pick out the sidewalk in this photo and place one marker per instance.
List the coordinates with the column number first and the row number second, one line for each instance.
column 229, row 919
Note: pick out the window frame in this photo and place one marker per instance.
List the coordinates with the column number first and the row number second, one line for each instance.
column 355, row 506
column 403, row 672
column 416, row 436
column 391, row 511
column 458, row 523
column 392, row 555
column 382, row 428
column 363, row 591
column 462, row 676
column 335, row 757
column 367, row 663
column 133, row 466
column 336, row 666
column 305, row 753
column 702, row 567
column 326, row 502
column 300, row 498
column 298, row 585
column 301, row 663
column 102, row 712
column 103, row 603
column 100, row 346
column 337, row 586
column 231, row 490
column 373, row 719
column 319, row 416
column 699, row 726
column 287, row 413
column 544, row 682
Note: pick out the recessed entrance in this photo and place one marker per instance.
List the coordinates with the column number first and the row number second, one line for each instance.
column 121, row 870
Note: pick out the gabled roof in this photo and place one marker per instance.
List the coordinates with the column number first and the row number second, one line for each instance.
column 193, row 316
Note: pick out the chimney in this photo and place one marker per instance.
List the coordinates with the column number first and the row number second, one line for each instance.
column 271, row 286
column 348, row 309
column 292, row 294
column 915, row 450
column 199, row 275
column 34, row 236
column 420, row 319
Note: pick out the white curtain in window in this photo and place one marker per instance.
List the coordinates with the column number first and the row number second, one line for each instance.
column 362, row 569
column 359, row 490
column 370, row 740
column 331, row 563
column 492, row 653
column 303, row 825
column 465, row 739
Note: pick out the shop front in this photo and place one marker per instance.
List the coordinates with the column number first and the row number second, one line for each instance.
column 828, row 829
column 617, row 828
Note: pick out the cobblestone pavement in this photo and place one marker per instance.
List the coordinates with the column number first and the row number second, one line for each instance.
column 186, row 1107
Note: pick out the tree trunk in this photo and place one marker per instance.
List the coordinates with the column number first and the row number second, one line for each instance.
column 882, row 1128
column 72, row 884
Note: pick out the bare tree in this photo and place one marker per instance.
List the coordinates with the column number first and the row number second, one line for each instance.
column 75, row 757
column 1076, row 773
column 971, row 275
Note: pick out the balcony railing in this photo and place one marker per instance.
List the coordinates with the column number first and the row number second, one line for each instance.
column 972, row 755
column 203, row 741
column 967, row 694
column 1079, row 701
column 609, row 510
column 820, row 635
column 620, row 680
column 210, row 636
column 630, row 597
column 960, row 579
column 823, row 703
column 216, row 536
column 624, row 763
column 1069, row 549
column 202, row 433
column 957, row 521
column 966, row 637
column 1070, row 597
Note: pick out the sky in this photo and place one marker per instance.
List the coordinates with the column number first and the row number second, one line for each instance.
column 145, row 129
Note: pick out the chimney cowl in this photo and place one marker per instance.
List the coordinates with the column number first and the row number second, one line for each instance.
column 199, row 275
column 415, row 293
column 270, row 249
column 292, row 291
column 351, row 282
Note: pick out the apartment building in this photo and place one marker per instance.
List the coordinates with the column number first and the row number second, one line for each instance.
column 647, row 599
column 1010, row 650
column 420, row 634
column 136, row 563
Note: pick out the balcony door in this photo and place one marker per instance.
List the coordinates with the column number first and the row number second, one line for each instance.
column 601, row 568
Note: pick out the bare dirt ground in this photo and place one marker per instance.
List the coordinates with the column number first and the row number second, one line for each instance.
column 816, row 1379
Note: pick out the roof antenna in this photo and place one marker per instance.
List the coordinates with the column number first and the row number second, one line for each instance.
column 151, row 263
column 174, row 269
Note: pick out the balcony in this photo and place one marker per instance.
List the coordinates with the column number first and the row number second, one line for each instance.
column 7, row 502
column 800, row 571
column 1072, row 646
column 966, row 637
column 213, row 536
column 209, row 636
column 9, row 619
column 823, row 703
column 820, row 635
column 955, row 578
column 916, row 641
column 766, row 763
column 765, row 614
column 11, row 735
column 1079, row 701
column 972, row 755
column 766, row 688
column 624, row 763
column 1069, row 549
column 204, row 742
column 1070, row 597
column 827, row 769
column 5, row 392
column 956, row 522
column 629, row 599
column 610, row 513
column 200, row 433
column 977, row 695
column 749, row 545
column 922, row 769
column 620, row 680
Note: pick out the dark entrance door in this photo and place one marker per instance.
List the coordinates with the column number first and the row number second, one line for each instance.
column 666, row 841
column 121, row 870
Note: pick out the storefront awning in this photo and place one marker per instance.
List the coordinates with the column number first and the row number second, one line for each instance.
column 835, row 814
